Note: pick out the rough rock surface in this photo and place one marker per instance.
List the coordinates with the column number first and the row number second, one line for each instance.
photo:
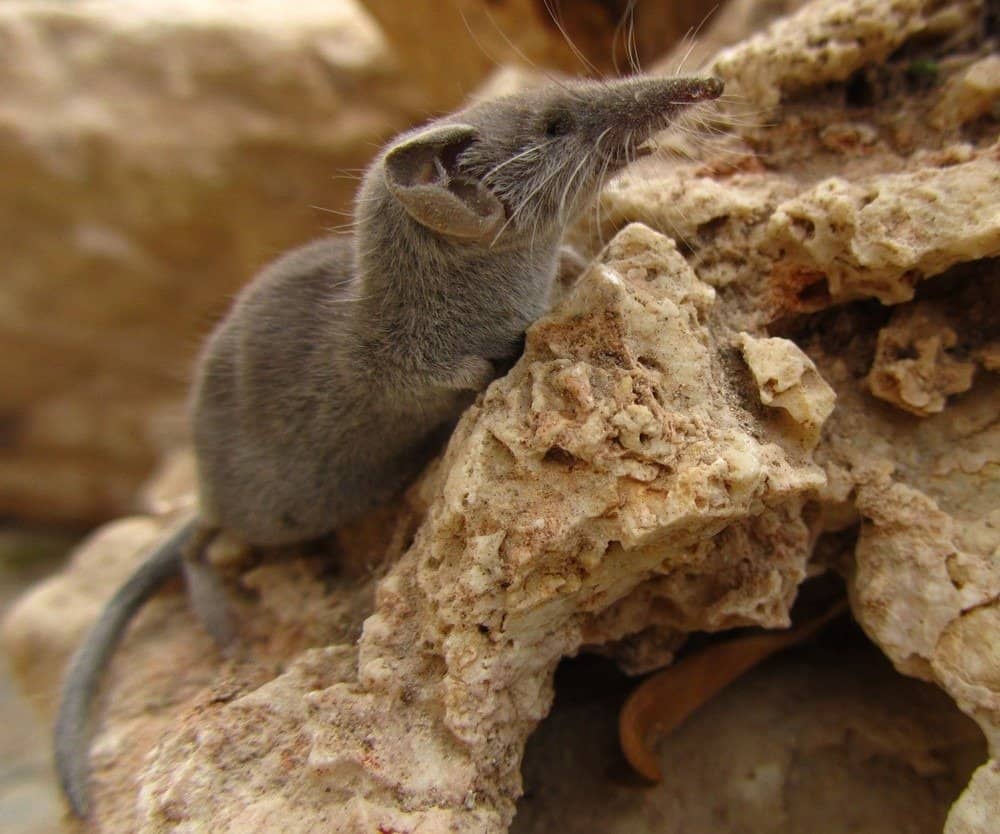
column 663, row 459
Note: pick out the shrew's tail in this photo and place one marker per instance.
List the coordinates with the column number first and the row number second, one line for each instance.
column 72, row 736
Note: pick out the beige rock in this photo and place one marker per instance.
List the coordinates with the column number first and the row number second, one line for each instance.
column 168, row 671
column 978, row 809
column 620, row 391
column 973, row 94
column 925, row 578
column 826, row 42
column 915, row 365
column 879, row 237
column 787, row 379
column 67, row 605
column 617, row 393
column 846, row 207
column 155, row 155
column 625, row 481
column 727, row 24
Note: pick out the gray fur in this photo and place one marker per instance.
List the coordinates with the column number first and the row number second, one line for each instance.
column 341, row 361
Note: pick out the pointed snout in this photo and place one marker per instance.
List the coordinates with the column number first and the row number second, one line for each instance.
column 633, row 109
column 652, row 95
column 692, row 90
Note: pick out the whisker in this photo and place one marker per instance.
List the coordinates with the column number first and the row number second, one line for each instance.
column 618, row 34
column 532, row 149
column 534, row 192
column 475, row 38
column 332, row 211
column 552, row 7
column 549, row 75
column 597, row 204
column 566, row 190
column 614, row 44
column 632, row 46
column 692, row 34
column 342, row 227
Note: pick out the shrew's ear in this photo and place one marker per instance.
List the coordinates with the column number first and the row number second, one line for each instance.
column 423, row 175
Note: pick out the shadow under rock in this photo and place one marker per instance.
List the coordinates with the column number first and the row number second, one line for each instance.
column 825, row 738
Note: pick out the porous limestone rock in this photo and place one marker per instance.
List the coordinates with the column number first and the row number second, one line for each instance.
column 627, row 482
column 852, row 194
column 827, row 42
column 788, row 379
column 931, row 349
column 606, row 461
column 881, row 235
column 913, row 368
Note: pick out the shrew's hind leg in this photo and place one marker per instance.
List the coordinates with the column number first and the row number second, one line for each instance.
column 206, row 590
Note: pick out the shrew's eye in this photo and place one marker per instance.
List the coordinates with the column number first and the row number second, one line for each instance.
column 557, row 124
